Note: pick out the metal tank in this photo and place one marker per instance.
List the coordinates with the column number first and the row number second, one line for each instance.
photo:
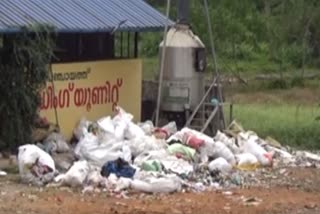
column 183, row 77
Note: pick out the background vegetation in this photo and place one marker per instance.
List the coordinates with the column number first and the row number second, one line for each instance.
column 279, row 37
column 254, row 35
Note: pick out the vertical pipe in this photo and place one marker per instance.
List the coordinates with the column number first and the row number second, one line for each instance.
column 136, row 48
column 162, row 62
column 121, row 45
column 206, row 7
column 128, row 44
column 231, row 113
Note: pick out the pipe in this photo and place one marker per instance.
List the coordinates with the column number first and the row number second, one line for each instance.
column 206, row 7
column 162, row 62
column 183, row 12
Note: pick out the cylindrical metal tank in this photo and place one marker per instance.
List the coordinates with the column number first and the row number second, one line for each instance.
column 184, row 67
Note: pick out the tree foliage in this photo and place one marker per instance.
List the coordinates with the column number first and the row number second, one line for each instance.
column 24, row 67
column 283, row 32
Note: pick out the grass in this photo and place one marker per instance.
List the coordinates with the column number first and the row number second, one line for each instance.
column 290, row 125
column 260, row 107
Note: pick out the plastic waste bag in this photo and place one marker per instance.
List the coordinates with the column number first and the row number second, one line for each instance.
column 157, row 185
column 126, row 153
column 170, row 163
column 177, row 166
column 216, row 150
column 63, row 161
column 55, row 142
column 94, row 179
column 76, row 175
column 166, row 131
column 118, row 167
column 121, row 122
column 182, row 151
column 147, row 127
column 145, row 143
column 160, row 154
column 247, row 161
column 152, row 165
column 192, row 140
column 220, row 164
column 3, row 173
column 229, row 142
column 308, row 155
column 81, row 129
column 90, row 149
column 249, row 144
column 106, row 124
column 35, row 165
column 133, row 131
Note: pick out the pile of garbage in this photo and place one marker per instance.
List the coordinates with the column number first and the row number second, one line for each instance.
column 115, row 154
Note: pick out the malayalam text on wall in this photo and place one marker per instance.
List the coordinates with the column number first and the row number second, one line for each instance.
column 91, row 90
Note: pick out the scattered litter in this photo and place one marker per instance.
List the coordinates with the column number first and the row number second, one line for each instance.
column 251, row 201
column 3, row 173
column 115, row 155
column 75, row 176
column 247, row 161
column 181, row 151
column 119, row 167
column 157, row 185
column 220, row 164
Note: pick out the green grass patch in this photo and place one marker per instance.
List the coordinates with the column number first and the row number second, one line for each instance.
column 290, row 125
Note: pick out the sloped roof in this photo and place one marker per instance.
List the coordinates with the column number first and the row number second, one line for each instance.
column 81, row 15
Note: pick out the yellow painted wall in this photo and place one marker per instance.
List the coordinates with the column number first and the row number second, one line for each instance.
column 91, row 90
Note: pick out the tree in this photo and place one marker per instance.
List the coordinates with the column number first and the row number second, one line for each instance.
column 24, row 68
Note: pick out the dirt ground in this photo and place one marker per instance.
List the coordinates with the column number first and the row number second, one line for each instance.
column 16, row 198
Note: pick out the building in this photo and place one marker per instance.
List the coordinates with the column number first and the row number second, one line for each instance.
column 97, row 65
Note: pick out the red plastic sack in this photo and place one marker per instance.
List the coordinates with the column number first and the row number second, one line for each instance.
column 193, row 141
column 161, row 133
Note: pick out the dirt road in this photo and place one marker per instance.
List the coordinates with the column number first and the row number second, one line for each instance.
column 16, row 198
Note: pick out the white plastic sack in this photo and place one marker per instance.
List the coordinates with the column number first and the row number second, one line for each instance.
column 122, row 184
column 249, row 144
column 157, row 185
column 145, row 143
column 170, row 128
column 29, row 154
column 229, row 142
column 246, row 159
column 121, row 122
column 117, row 184
column 81, row 129
column 176, row 165
column 161, row 154
column 147, row 127
column 133, row 131
column 90, row 149
column 31, row 158
column 216, row 150
column 76, row 175
column 106, row 124
column 220, row 164
column 94, row 179
column 3, row 173
column 126, row 153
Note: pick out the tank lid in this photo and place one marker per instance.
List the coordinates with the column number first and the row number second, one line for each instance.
column 182, row 36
